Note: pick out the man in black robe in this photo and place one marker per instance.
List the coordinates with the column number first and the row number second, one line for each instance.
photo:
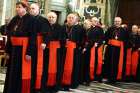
column 74, row 34
column 52, row 69
column 94, row 52
column 42, row 28
column 19, row 45
column 116, row 38
column 84, row 76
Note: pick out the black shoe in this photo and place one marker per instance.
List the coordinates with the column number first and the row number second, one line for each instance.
column 66, row 89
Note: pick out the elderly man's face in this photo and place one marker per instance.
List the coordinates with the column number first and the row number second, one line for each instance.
column 117, row 21
column 71, row 19
column 34, row 9
column 52, row 18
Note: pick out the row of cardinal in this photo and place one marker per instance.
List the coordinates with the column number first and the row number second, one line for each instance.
column 46, row 57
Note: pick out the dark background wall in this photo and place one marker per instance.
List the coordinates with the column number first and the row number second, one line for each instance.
column 129, row 10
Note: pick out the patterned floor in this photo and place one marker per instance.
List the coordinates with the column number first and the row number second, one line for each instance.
column 120, row 87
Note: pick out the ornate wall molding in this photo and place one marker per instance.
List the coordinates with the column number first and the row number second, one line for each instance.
column 93, row 8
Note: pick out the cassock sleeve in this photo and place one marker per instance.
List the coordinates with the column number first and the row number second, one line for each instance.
column 45, row 29
column 63, row 36
column 101, row 37
column 107, row 35
column 32, row 37
column 8, row 45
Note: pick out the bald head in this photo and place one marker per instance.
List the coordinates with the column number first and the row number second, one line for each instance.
column 118, row 21
column 52, row 17
column 135, row 28
column 34, row 9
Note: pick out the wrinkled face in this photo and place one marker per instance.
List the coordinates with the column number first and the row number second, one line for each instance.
column 34, row 9
column 52, row 18
column 20, row 10
column 135, row 28
column 117, row 21
column 71, row 19
column 87, row 24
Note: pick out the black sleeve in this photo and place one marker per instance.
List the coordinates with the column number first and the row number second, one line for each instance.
column 83, row 38
column 63, row 36
column 8, row 45
column 129, row 39
column 32, row 37
column 101, row 37
column 45, row 29
column 107, row 35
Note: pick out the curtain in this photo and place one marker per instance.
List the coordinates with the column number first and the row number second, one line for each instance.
column 111, row 11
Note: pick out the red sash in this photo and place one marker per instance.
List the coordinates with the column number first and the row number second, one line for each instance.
column 68, row 66
column 39, row 62
column 92, row 62
column 26, row 66
column 52, row 68
column 135, row 58
column 100, row 60
column 121, row 45
column 128, row 62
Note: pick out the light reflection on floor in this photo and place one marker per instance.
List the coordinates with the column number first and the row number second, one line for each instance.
column 120, row 87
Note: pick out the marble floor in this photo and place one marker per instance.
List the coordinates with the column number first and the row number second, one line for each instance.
column 120, row 87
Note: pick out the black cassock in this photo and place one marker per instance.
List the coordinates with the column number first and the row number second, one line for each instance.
column 53, row 63
column 42, row 27
column 94, row 54
column 20, row 43
column 74, row 36
column 115, row 54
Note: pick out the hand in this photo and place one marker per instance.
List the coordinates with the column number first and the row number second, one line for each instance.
column 138, row 49
column 96, row 44
column 43, row 46
column 84, row 50
column 28, row 57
